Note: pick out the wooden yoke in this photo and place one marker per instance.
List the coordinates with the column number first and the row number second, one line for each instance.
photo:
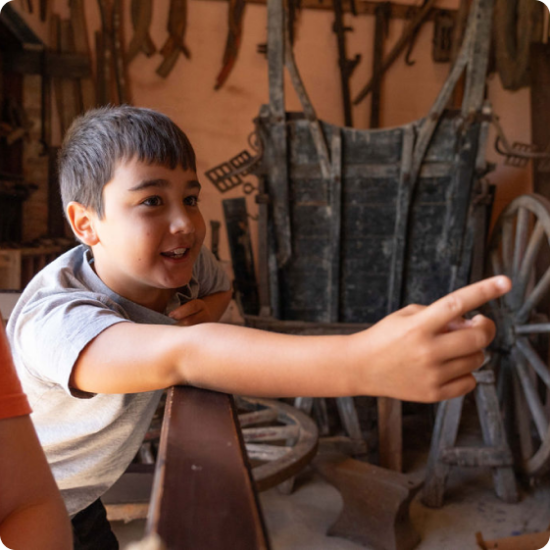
column 203, row 494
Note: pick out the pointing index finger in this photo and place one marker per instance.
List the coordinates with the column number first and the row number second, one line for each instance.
column 457, row 303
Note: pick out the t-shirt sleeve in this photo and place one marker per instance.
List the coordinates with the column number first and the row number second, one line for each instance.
column 210, row 274
column 50, row 333
column 13, row 402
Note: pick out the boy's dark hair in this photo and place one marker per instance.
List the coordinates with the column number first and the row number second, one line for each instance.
column 101, row 138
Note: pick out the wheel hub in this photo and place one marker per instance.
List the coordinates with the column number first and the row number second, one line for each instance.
column 505, row 338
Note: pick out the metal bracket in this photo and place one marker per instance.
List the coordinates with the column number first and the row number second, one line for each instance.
column 518, row 154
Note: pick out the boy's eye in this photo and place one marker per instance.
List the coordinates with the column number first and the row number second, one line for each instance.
column 152, row 201
column 191, row 201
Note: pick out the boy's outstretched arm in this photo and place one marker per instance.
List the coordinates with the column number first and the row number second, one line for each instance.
column 411, row 355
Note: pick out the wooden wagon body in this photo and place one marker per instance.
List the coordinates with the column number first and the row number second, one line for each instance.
column 355, row 255
column 354, row 224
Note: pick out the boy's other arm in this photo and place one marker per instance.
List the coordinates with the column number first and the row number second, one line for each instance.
column 413, row 354
column 203, row 310
column 32, row 513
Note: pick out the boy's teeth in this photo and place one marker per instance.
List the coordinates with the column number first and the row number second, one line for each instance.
column 176, row 252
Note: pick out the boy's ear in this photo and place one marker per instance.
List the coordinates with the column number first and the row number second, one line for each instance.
column 81, row 220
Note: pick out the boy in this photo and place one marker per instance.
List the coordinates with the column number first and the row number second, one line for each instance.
column 96, row 336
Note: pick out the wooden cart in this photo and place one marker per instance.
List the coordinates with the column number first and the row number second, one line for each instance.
column 355, row 224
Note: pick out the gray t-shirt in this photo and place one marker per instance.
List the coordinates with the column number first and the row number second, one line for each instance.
column 89, row 440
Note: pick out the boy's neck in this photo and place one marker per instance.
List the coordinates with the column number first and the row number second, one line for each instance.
column 156, row 299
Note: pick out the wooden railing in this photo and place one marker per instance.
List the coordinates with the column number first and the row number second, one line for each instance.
column 203, row 494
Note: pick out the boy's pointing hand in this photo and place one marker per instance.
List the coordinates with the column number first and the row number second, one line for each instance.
column 428, row 354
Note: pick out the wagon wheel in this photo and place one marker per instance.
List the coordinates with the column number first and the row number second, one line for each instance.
column 520, row 248
column 280, row 440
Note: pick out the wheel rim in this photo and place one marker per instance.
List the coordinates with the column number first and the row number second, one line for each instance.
column 520, row 240
column 280, row 440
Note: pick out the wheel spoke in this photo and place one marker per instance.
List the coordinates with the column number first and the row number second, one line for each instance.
column 267, row 453
column 536, row 362
column 528, row 262
column 496, row 262
column 507, row 243
column 522, row 421
column 533, row 401
column 258, row 417
column 522, row 229
column 536, row 328
column 535, row 297
column 269, row 433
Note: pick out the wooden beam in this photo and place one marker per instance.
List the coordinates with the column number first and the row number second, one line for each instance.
column 203, row 495
column 63, row 65
column 366, row 7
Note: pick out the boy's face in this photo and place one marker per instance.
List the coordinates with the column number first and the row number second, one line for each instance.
column 151, row 232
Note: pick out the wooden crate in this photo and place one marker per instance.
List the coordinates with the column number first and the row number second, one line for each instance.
column 19, row 265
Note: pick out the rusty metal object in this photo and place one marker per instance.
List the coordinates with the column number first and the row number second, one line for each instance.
column 233, row 42
column 381, row 28
column 175, row 44
column 401, row 44
column 518, row 154
column 520, row 357
column 142, row 14
column 118, row 53
column 444, row 30
column 105, row 55
column 81, row 45
column 516, row 26
column 347, row 66
column 376, row 502
column 43, row 10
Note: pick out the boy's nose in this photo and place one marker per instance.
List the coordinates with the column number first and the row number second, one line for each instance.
column 181, row 222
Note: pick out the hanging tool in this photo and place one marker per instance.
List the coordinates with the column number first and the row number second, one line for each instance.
column 294, row 9
column 458, row 36
column 43, row 10
column 142, row 13
column 82, row 46
column 175, row 44
column 412, row 43
column 516, row 25
column 27, row 4
column 233, row 43
column 406, row 37
column 215, row 238
column 444, row 28
column 381, row 28
column 45, row 109
column 113, row 56
column 118, row 54
column 347, row 66
column 105, row 68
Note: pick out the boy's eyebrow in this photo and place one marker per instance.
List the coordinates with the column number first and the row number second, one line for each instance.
column 150, row 183
column 159, row 182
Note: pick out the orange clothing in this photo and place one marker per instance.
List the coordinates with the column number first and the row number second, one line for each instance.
column 13, row 402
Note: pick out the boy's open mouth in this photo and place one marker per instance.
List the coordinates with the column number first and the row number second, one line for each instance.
column 175, row 254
